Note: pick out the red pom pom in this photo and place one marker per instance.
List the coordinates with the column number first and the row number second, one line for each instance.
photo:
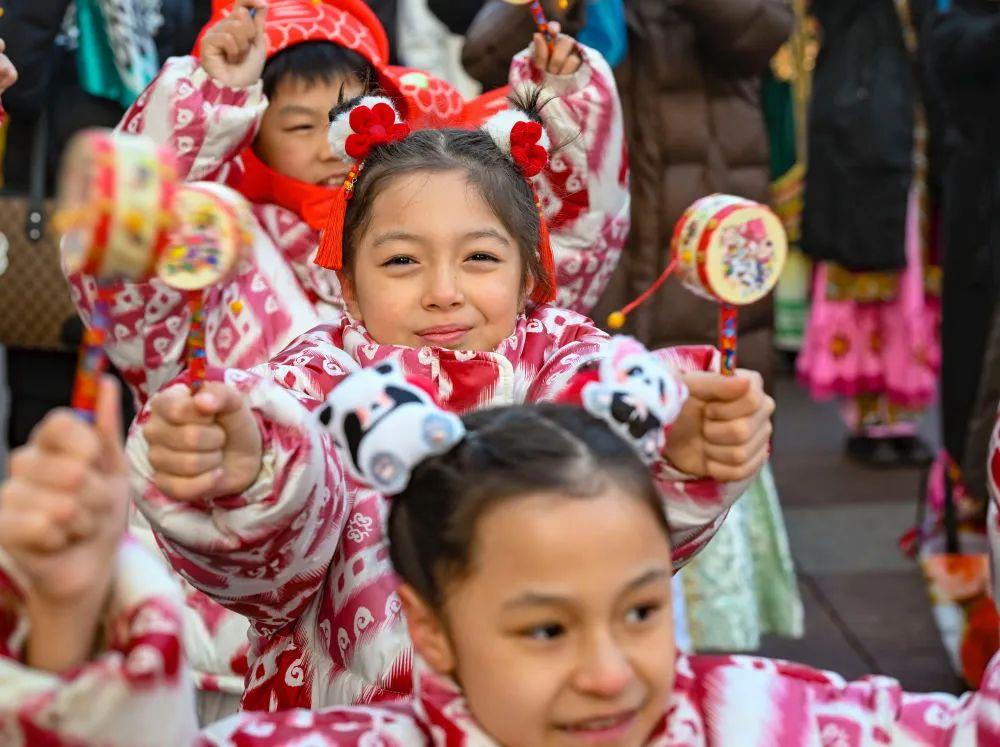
column 373, row 126
column 530, row 157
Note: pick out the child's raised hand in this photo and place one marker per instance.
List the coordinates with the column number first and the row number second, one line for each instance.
column 63, row 508
column 564, row 57
column 8, row 73
column 724, row 429
column 204, row 445
column 234, row 50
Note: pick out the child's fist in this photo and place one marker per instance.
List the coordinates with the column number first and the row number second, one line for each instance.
column 63, row 508
column 563, row 58
column 204, row 445
column 724, row 429
column 8, row 73
column 234, row 50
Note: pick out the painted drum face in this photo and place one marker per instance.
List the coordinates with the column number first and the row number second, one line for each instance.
column 210, row 237
column 730, row 249
column 114, row 207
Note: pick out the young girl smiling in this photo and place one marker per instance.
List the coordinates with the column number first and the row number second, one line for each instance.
column 446, row 268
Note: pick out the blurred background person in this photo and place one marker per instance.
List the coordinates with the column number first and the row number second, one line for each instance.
column 80, row 65
column 872, row 333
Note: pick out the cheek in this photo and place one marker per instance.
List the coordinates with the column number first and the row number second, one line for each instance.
column 500, row 301
column 376, row 307
column 508, row 690
column 654, row 662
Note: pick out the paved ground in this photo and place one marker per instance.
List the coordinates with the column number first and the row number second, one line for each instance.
column 866, row 605
column 866, row 608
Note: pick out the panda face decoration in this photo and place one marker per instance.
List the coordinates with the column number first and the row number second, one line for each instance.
column 383, row 426
column 636, row 394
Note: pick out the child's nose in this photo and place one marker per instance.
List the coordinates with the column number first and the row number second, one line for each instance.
column 444, row 290
column 603, row 670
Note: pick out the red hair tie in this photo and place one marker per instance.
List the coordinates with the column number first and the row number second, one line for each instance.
column 529, row 156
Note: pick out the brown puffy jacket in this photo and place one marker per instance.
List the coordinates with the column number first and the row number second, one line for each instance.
column 690, row 87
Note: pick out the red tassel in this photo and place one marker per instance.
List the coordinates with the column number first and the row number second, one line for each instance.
column 544, row 294
column 331, row 244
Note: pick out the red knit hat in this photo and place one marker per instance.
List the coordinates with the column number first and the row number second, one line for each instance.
column 347, row 23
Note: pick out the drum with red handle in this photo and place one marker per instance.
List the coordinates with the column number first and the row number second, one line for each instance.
column 730, row 250
column 211, row 235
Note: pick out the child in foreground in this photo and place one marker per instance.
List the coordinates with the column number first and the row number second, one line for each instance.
column 534, row 564
column 446, row 267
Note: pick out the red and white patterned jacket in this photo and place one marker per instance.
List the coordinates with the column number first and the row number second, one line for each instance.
column 135, row 694
column 303, row 552
column 282, row 294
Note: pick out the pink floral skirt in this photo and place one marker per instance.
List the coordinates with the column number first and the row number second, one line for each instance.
column 886, row 348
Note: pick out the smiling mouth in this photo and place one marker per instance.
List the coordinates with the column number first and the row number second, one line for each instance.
column 443, row 335
column 601, row 729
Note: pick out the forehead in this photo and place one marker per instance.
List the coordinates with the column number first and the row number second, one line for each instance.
column 320, row 95
column 567, row 542
column 419, row 202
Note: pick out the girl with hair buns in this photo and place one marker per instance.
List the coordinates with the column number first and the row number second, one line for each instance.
column 533, row 559
column 446, row 268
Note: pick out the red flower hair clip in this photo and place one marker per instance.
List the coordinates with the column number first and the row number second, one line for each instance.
column 525, row 150
column 371, row 126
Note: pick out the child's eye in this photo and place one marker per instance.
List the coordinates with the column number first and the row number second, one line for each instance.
column 642, row 612
column 483, row 257
column 299, row 128
column 547, row 632
column 398, row 262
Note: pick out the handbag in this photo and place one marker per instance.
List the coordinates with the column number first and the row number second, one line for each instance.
column 35, row 302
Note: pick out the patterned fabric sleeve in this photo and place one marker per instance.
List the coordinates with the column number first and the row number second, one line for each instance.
column 584, row 190
column 758, row 702
column 695, row 507
column 206, row 123
column 137, row 681
column 264, row 553
column 332, row 727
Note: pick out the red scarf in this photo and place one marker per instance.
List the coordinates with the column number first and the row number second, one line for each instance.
column 262, row 184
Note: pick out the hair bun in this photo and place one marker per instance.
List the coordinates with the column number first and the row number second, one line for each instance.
column 358, row 125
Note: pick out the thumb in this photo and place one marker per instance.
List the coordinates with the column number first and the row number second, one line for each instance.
column 108, row 421
column 260, row 18
column 709, row 387
column 218, row 399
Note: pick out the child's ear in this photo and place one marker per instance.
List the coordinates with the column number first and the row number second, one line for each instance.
column 529, row 288
column 429, row 637
column 350, row 297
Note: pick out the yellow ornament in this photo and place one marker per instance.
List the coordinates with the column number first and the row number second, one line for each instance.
column 616, row 320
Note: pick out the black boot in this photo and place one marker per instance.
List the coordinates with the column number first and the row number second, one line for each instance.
column 878, row 453
column 913, row 451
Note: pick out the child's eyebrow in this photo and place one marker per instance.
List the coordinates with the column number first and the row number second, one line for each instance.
column 296, row 109
column 532, row 599
column 486, row 233
column 483, row 233
column 390, row 236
